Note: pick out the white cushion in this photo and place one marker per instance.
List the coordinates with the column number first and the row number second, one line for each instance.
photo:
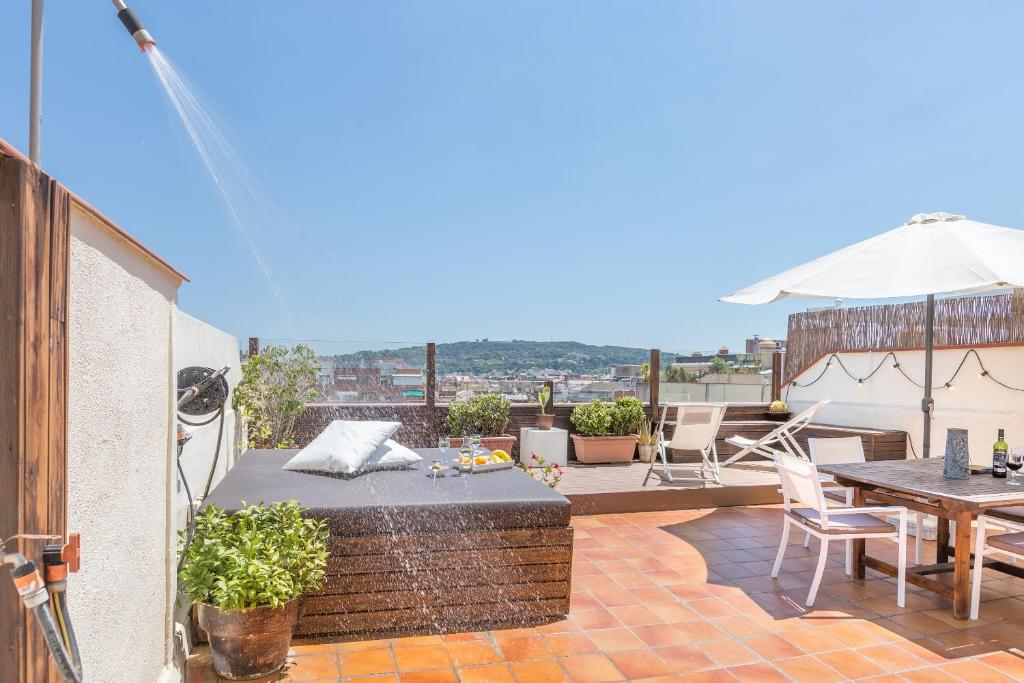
column 344, row 447
column 391, row 455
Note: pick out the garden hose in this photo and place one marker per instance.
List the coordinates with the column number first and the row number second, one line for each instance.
column 34, row 594
column 200, row 391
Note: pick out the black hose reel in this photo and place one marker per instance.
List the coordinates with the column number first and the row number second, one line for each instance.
column 201, row 391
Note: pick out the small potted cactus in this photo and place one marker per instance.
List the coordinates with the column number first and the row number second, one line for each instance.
column 648, row 441
column 778, row 411
column 545, row 421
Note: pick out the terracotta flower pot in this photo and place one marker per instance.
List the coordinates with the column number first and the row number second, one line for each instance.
column 545, row 421
column 249, row 643
column 602, row 449
column 505, row 442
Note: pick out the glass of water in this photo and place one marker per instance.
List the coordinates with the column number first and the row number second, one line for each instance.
column 444, row 443
column 1014, row 460
column 474, row 443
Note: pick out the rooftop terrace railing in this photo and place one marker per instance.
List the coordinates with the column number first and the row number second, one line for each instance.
column 960, row 322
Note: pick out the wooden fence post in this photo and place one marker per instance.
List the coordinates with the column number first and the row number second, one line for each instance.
column 431, row 389
column 655, row 381
column 777, row 360
column 34, row 265
column 254, row 346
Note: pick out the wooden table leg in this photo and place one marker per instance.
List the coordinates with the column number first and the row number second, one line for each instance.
column 962, row 565
column 941, row 540
column 857, row 568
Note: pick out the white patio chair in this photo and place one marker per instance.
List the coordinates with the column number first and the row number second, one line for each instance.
column 838, row 451
column 782, row 438
column 1009, row 544
column 696, row 427
column 801, row 483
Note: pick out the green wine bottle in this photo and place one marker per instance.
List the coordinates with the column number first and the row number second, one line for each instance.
column 999, row 449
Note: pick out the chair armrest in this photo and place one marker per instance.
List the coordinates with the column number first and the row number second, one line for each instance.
column 879, row 509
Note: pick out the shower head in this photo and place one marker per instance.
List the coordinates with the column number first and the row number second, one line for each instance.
column 131, row 22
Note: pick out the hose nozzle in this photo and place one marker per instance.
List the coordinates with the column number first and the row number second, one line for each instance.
column 131, row 22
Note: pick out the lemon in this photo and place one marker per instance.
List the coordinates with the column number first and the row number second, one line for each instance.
column 501, row 455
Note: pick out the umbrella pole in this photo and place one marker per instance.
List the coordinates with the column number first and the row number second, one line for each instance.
column 928, row 403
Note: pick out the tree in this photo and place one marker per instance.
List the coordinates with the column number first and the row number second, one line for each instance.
column 275, row 387
column 720, row 367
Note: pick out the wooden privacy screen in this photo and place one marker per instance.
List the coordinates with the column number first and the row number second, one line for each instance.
column 961, row 322
column 34, row 233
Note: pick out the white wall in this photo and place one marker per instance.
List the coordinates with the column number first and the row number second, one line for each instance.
column 889, row 401
column 126, row 340
column 198, row 343
column 119, row 445
column 675, row 392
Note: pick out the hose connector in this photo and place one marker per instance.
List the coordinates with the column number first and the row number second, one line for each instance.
column 131, row 22
column 29, row 584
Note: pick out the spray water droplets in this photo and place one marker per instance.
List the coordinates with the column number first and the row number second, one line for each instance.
column 251, row 211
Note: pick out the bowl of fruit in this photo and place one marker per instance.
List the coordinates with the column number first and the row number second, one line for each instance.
column 484, row 462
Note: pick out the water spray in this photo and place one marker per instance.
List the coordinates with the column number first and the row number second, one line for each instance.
column 131, row 22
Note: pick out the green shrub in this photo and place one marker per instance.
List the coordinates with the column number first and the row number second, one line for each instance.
column 258, row 556
column 592, row 419
column 627, row 414
column 276, row 385
column 486, row 415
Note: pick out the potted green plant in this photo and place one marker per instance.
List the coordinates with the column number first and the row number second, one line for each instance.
column 487, row 415
column 606, row 433
column 778, row 411
column 647, row 441
column 246, row 572
column 545, row 421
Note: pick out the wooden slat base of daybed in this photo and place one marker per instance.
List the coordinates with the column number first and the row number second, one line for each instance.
column 382, row 586
column 388, row 585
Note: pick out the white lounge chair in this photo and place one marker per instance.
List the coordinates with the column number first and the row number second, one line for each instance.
column 841, row 450
column 1010, row 544
column 782, row 438
column 801, row 484
column 696, row 427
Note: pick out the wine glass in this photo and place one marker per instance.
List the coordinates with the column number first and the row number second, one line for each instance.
column 465, row 456
column 1014, row 460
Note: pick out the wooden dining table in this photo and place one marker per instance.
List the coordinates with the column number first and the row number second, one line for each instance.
column 920, row 485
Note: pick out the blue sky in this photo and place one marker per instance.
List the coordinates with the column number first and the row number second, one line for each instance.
column 597, row 171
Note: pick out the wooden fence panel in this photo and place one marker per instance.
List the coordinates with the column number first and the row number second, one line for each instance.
column 959, row 322
column 34, row 238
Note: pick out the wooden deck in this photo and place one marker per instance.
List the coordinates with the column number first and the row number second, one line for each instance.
column 602, row 489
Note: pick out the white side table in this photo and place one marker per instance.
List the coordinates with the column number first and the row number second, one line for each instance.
column 552, row 443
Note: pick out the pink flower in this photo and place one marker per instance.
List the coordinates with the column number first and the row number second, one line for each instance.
column 533, row 456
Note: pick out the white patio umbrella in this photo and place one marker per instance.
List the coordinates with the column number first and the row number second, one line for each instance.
column 933, row 253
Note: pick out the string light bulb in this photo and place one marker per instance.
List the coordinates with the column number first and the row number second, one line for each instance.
column 860, row 382
column 983, row 374
column 895, row 365
column 950, row 387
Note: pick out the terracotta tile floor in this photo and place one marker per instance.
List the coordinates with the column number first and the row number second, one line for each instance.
column 685, row 596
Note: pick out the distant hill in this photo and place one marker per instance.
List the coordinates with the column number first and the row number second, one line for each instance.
column 479, row 357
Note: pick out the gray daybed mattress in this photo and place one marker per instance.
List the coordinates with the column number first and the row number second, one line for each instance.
column 395, row 501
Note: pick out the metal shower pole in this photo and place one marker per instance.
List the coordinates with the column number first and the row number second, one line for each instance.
column 35, row 97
